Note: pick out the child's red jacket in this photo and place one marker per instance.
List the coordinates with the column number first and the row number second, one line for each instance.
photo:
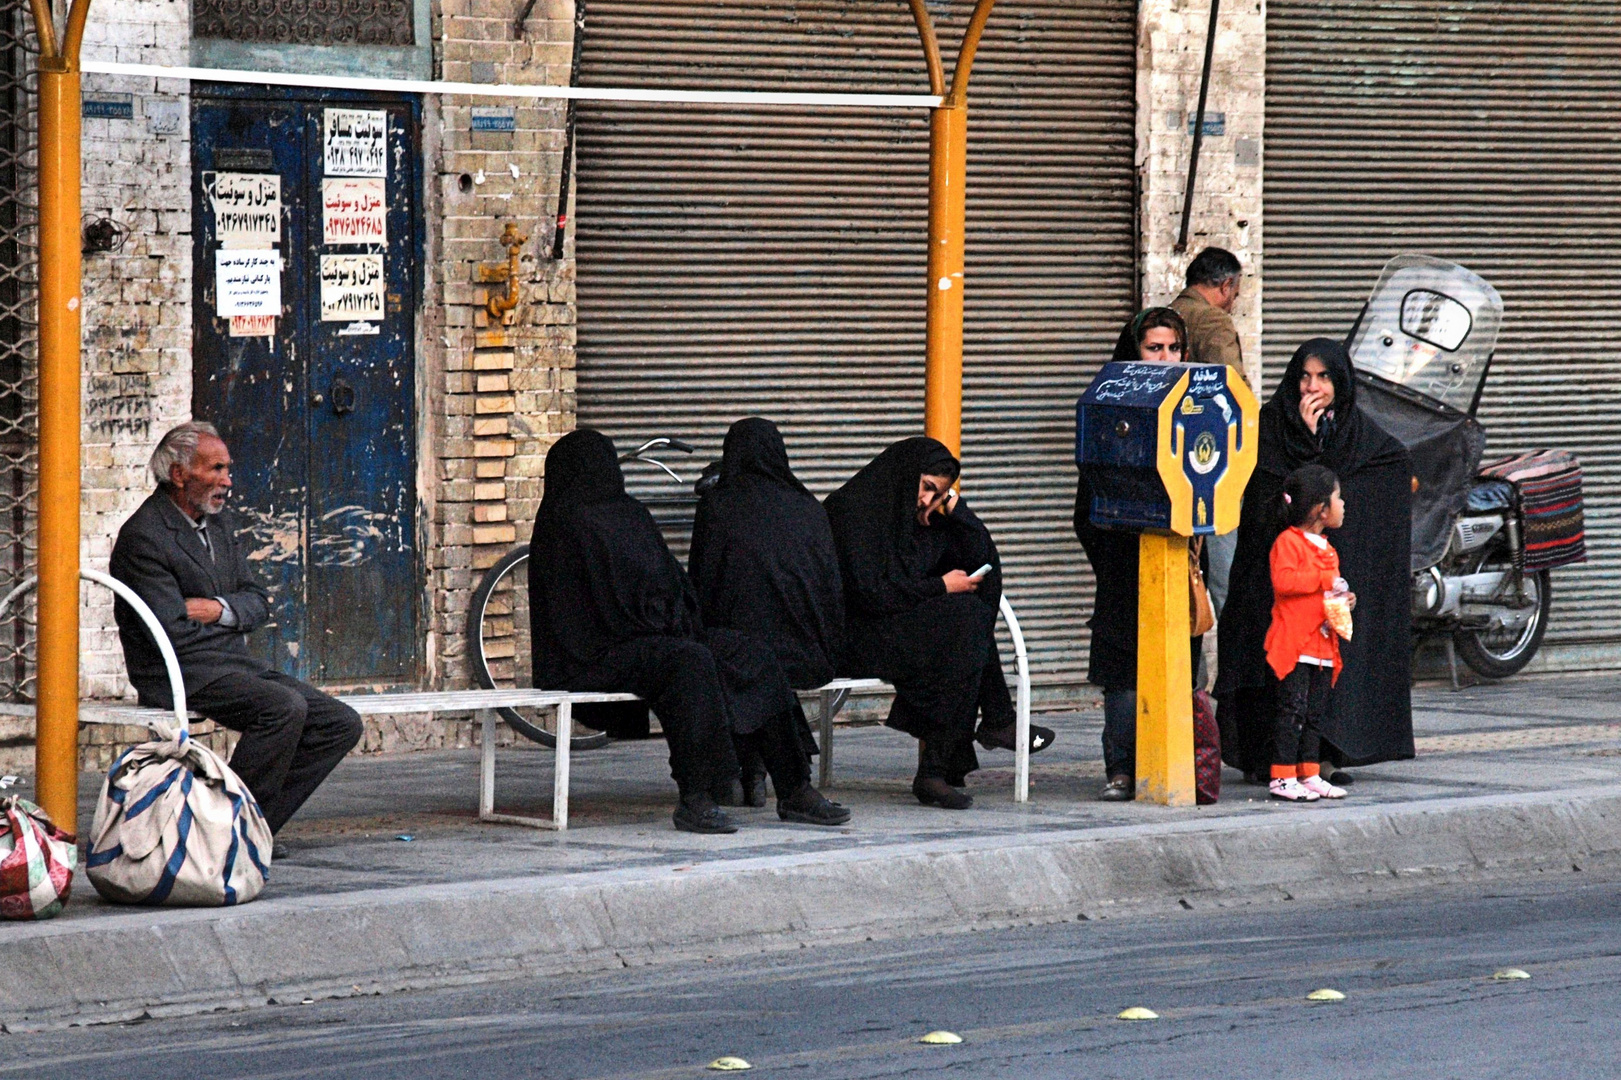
column 1301, row 573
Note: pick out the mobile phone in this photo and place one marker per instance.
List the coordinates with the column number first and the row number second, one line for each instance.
column 981, row 572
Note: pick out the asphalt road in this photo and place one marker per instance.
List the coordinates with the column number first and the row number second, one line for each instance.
column 1034, row 1002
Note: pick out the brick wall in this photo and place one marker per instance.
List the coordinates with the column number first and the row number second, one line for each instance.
column 506, row 389
column 137, row 301
column 1227, row 194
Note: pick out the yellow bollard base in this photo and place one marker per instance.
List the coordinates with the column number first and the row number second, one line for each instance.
column 1164, row 673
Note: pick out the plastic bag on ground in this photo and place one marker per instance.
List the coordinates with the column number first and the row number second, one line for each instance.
column 37, row 861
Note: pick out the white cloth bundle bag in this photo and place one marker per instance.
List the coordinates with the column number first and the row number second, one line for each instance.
column 174, row 825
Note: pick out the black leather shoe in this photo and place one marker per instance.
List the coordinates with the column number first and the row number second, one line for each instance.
column 701, row 815
column 807, row 806
column 1118, row 789
column 931, row 791
column 1006, row 738
column 1341, row 778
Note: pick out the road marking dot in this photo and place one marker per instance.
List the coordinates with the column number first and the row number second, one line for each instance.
column 941, row 1038
column 1508, row 974
column 1325, row 994
column 1137, row 1012
column 729, row 1064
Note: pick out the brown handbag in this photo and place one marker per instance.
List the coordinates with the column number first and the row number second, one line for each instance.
column 1201, row 613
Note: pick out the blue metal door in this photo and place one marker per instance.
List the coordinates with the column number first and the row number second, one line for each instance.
column 317, row 402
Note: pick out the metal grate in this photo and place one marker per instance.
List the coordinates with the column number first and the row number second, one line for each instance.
column 306, row 22
column 19, row 336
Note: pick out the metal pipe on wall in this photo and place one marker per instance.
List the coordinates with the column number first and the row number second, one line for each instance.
column 1198, row 127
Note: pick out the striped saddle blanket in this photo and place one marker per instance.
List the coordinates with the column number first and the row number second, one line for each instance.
column 1549, row 483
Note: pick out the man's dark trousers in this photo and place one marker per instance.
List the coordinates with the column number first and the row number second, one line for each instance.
column 292, row 736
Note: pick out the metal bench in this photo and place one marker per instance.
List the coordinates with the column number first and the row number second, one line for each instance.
column 485, row 703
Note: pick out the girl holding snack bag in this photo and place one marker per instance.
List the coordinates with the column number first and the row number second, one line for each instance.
column 1311, row 611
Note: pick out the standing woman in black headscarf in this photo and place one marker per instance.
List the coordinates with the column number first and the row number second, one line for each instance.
column 1313, row 418
column 915, row 618
column 763, row 562
column 1153, row 336
column 612, row 610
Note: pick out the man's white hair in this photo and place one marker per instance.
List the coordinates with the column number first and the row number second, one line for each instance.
column 178, row 447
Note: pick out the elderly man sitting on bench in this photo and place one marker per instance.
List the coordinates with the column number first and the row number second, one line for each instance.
column 179, row 553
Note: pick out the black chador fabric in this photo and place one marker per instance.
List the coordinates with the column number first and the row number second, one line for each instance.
column 763, row 559
column 937, row 649
column 611, row 609
column 1370, row 716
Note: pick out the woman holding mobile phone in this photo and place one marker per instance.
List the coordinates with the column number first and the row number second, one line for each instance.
column 922, row 586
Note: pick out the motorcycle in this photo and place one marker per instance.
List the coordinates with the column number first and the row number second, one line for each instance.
column 1422, row 350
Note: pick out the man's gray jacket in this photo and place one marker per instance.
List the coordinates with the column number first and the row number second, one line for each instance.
column 160, row 555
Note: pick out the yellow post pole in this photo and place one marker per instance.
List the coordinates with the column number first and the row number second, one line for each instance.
column 56, row 745
column 1164, row 673
column 948, row 214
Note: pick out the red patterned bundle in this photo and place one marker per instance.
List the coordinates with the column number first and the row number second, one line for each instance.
column 37, row 861
column 1549, row 483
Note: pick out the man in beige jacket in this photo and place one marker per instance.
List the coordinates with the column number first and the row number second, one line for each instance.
column 1206, row 305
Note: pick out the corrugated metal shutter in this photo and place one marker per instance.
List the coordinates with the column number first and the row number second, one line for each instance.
column 736, row 261
column 1488, row 133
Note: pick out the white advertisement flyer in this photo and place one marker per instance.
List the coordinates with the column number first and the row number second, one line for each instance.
column 352, row 288
column 354, row 210
column 247, row 208
column 355, row 142
column 253, row 326
column 247, row 282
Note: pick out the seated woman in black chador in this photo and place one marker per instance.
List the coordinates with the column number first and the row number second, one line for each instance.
column 613, row 611
column 763, row 562
column 915, row 618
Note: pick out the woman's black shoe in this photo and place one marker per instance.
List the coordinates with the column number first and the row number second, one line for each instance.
column 1340, row 777
column 807, row 806
column 701, row 815
column 931, row 791
column 1006, row 738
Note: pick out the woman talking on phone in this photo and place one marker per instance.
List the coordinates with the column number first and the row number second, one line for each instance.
column 922, row 585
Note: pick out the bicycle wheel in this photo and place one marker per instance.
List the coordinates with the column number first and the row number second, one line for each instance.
column 498, row 645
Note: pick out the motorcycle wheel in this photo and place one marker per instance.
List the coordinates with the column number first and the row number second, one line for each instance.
column 1497, row 654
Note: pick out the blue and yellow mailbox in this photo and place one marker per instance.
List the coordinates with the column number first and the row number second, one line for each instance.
column 1168, row 450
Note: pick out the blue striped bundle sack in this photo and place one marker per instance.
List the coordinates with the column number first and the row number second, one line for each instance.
column 175, row 825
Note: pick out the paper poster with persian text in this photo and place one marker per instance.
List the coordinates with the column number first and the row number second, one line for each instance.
column 352, row 288
column 247, row 208
column 247, row 282
column 253, row 326
column 353, row 211
column 355, row 142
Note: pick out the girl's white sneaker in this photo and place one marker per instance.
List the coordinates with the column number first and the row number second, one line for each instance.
column 1293, row 790
column 1322, row 787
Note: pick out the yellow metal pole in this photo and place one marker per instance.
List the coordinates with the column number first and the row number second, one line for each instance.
column 1164, row 673
column 56, row 745
column 948, row 212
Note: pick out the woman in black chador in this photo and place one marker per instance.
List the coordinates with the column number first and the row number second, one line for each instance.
column 1313, row 418
column 612, row 610
column 763, row 562
column 915, row 618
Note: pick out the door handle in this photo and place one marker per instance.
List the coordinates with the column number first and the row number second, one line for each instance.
column 343, row 397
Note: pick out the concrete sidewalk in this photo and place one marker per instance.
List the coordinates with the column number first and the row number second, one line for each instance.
column 391, row 883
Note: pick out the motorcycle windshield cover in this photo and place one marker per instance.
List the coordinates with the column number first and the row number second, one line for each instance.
column 1445, row 446
column 1430, row 326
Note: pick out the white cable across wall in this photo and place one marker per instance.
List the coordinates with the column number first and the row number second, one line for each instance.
column 510, row 90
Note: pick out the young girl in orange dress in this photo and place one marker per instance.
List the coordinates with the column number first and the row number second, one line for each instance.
column 1303, row 646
